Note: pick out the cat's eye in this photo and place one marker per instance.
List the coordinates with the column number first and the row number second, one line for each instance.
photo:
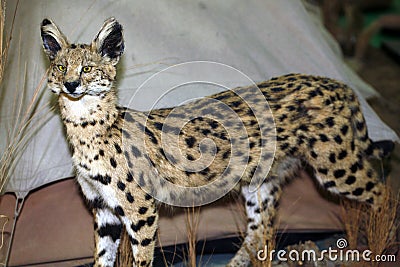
column 62, row 68
column 87, row 69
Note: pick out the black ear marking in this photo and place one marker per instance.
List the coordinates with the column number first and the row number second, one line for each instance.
column 109, row 41
column 113, row 44
column 46, row 22
column 53, row 39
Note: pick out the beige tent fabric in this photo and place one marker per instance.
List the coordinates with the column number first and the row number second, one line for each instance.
column 55, row 224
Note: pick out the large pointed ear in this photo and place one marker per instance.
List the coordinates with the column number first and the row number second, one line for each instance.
column 109, row 42
column 53, row 39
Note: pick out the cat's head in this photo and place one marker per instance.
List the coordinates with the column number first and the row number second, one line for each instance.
column 82, row 69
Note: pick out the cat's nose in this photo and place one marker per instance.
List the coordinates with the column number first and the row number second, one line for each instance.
column 71, row 86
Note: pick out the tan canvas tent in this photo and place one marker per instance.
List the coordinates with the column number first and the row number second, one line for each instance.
column 260, row 39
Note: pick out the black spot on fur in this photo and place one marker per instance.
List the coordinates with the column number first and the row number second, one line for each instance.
column 338, row 139
column 290, row 108
column 117, row 148
column 358, row 192
column 236, row 103
column 158, row 125
column 350, row 180
column 360, row 125
column 113, row 163
column 104, row 179
column 145, row 242
column 126, row 116
column 313, row 154
column 294, row 149
column 129, row 177
column 226, row 154
column 205, row 171
column 354, row 167
column 96, row 203
column 205, row 131
column 136, row 227
column 190, row 141
column 330, row 121
column 282, row 117
column 129, row 197
column 101, row 253
column 254, row 227
column 213, row 124
column 323, row 138
column 111, row 230
column 133, row 241
column 369, row 186
column 121, row 186
column 339, row 173
column 329, row 184
column 323, row 171
column 118, row 210
column 143, row 210
column 370, row 200
column 342, row 154
column 344, row 129
column 311, row 142
column 284, row 146
column 151, row 135
column 135, row 151
column 250, row 203
column 151, row 220
column 277, row 89
column 332, row 158
column 126, row 134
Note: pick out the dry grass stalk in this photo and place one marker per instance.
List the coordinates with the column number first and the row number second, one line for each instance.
column 27, row 121
column 381, row 227
column 3, row 46
column 377, row 227
column 13, row 142
column 27, row 115
column 192, row 225
column 125, row 255
column 353, row 218
column 3, row 59
column 166, row 263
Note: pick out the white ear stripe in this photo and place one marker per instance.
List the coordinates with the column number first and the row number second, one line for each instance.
column 109, row 41
column 105, row 29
